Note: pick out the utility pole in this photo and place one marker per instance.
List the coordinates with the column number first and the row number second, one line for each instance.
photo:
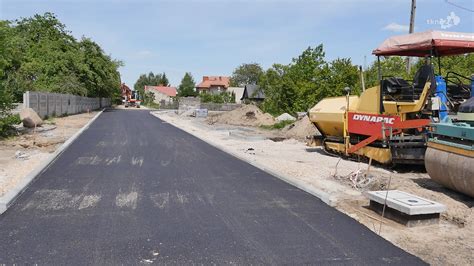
column 362, row 80
column 412, row 27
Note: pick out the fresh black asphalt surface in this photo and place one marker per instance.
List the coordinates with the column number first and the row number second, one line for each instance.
column 133, row 189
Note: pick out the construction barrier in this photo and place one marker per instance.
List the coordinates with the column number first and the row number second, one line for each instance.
column 55, row 104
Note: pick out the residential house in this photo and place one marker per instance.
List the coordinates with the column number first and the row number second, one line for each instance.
column 161, row 93
column 252, row 93
column 213, row 84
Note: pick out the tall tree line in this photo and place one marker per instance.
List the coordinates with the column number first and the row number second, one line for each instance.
column 309, row 78
column 39, row 54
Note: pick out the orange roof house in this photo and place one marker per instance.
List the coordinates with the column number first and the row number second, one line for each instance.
column 213, row 84
column 168, row 91
column 161, row 93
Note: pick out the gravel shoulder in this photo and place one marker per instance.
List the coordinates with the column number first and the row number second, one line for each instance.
column 446, row 243
column 21, row 154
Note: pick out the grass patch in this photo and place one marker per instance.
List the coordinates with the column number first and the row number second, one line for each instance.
column 50, row 120
column 278, row 125
column 152, row 105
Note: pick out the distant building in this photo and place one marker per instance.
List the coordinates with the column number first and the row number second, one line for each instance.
column 252, row 93
column 213, row 84
column 238, row 92
column 161, row 93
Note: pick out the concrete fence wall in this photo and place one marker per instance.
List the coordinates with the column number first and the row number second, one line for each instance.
column 55, row 104
column 169, row 104
column 220, row 106
column 187, row 103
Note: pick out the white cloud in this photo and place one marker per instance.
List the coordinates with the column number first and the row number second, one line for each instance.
column 395, row 27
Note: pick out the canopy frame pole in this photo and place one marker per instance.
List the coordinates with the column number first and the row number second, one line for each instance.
column 379, row 68
column 381, row 108
column 439, row 65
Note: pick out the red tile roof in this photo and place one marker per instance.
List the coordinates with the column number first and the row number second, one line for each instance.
column 170, row 91
column 208, row 81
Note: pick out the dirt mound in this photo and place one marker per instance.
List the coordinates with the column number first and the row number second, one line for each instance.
column 301, row 129
column 247, row 115
column 285, row 117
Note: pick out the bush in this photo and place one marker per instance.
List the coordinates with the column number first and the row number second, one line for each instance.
column 278, row 125
column 153, row 105
column 6, row 124
column 224, row 97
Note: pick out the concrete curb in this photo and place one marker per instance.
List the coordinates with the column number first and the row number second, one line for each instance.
column 9, row 198
column 322, row 195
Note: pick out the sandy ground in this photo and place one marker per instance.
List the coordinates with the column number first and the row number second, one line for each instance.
column 19, row 155
column 451, row 242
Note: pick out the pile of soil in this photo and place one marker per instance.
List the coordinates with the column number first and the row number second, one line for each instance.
column 301, row 129
column 247, row 115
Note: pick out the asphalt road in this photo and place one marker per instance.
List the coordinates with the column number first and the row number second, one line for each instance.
column 133, row 189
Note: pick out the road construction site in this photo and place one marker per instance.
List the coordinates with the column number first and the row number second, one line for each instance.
column 245, row 133
column 251, row 188
column 339, row 182
column 146, row 192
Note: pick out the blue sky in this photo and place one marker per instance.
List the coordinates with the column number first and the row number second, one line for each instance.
column 211, row 37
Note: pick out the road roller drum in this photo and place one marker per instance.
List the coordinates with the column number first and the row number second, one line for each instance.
column 454, row 171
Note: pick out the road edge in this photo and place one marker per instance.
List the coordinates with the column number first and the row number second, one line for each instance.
column 323, row 196
column 13, row 194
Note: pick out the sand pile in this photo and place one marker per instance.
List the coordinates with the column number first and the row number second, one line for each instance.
column 247, row 115
column 285, row 117
column 301, row 129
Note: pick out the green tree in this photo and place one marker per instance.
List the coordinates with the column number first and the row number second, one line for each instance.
column 154, row 80
column 342, row 73
column 164, row 80
column 6, row 63
column 142, row 81
column 100, row 75
column 46, row 57
column 279, row 90
column 147, row 80
column 187, row 86
column 460, row 64
column 246, row 74
column 51, row 54
column 148, row 98
column 393, row 66
column 308, row 79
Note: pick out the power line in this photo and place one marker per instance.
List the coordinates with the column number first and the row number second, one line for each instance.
column 458, row 6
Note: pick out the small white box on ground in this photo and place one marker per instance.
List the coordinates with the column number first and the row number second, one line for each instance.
column 200, row 112
column 406, row 202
